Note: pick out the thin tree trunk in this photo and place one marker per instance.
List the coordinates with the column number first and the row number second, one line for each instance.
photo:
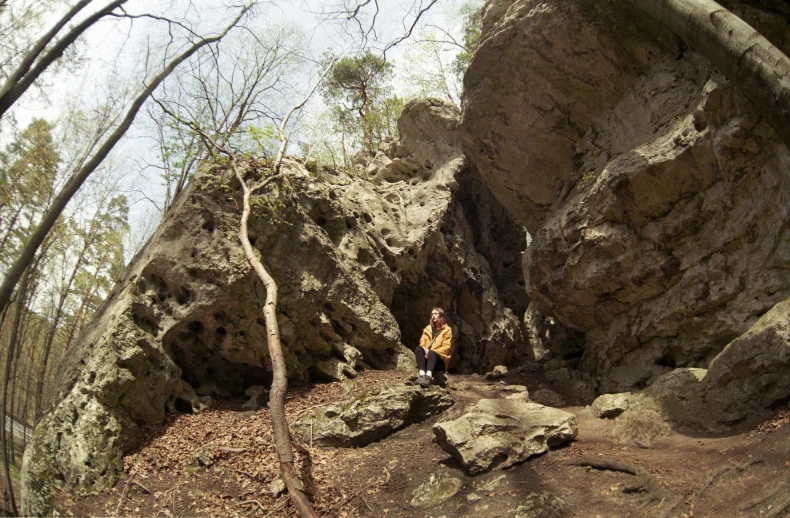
column 88, row 293
column 761, row 71
column 59, row 203
column 50, row 337
column 4, row 395
column 34, row 63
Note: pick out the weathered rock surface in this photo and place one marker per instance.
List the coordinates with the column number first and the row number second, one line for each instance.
column 371, row 416
column 548, row 397
column 498, row 433
column 541, row 505
column 439, row 488
column 744, row 384
column 656, row 196
column 610, row 405
column 359, row 261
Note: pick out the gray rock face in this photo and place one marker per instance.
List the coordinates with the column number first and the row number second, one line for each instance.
column 371, row 416
column 656, row 196
column 743, row 385
column 498, row 433
column 359, row 259
column 610, row 405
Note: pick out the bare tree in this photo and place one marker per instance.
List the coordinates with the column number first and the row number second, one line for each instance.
column 760, row 70
column 75, row 182
column 279, row 388
column 47, row 50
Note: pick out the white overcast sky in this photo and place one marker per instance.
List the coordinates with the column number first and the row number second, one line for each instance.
column 114, row 61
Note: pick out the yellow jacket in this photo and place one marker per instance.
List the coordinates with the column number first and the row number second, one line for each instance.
column 443, row 345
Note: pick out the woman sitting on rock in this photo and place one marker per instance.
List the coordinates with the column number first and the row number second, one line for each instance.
column 433, row 353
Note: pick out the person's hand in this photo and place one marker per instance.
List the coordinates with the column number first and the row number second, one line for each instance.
column 426, row 352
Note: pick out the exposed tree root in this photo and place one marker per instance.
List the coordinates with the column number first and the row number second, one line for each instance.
column 714, row 476
column 644, row 482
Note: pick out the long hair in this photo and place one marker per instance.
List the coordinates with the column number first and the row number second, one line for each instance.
column 441, row 315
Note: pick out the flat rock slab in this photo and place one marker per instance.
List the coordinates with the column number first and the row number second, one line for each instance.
column 502, row 432
column 371, row 416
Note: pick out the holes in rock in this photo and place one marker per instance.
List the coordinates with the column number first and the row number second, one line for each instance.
column 320, row 221
column 91, row 378
column 184, row 406
column 365, row 257
column 183, row 296
column 367, row 218
column 351, row 223
column 144, row 322
column 208, row 225
column 385, row 232
column 192, row 273
column 261, row 322
column 196, row 327
column 221, row 331
column 194, row 253
column 412, row 252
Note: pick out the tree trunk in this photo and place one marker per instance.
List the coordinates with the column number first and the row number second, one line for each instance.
column 75, row 182
column 282, row 436
column 4, row 395
column 759, row 69
column 34, row 63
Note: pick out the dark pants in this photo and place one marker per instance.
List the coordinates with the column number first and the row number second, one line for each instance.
column 433, row 363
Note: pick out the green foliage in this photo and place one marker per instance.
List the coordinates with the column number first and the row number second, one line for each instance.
column 473, row 28
column 358, row 89
column 586, row 178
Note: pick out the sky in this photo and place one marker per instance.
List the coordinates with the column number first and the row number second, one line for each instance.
column 113, row 63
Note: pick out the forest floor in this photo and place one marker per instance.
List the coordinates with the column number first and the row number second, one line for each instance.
column 746, row 474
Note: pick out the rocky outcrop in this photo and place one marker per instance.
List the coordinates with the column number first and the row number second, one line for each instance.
column 360, row 258
column 371, row 416
column 744, row 384
column 656, row 196
column 498, row 433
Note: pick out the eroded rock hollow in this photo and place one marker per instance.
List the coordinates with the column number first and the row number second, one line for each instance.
column 360, row 259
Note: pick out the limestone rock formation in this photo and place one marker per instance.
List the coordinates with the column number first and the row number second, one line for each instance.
column 656, row 196
column 360, row 258
column 743, row 385
column 610, row 405
column 498, row 433
column 371, row 416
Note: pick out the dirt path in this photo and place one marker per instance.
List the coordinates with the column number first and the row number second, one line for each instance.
column 737, row 476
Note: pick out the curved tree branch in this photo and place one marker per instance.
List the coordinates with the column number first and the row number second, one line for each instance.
column 759, row 69
column 75, row 182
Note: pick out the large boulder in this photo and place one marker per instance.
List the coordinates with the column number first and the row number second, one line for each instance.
column 360, row 257
column 371, row 416
column 655, row 193
column 748, row 381
column 498, row 433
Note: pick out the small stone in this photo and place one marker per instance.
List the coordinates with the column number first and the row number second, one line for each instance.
column 439, row 488
column 498, row 372
column 609, row 406
column 472, row 497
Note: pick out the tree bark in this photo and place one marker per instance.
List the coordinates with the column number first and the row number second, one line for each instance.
column 760, row 70
column 4, row 395
column 75, row 182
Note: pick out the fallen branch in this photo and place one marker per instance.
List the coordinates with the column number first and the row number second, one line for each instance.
column 263, row 509
column 141, row 487
column 125, row 487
